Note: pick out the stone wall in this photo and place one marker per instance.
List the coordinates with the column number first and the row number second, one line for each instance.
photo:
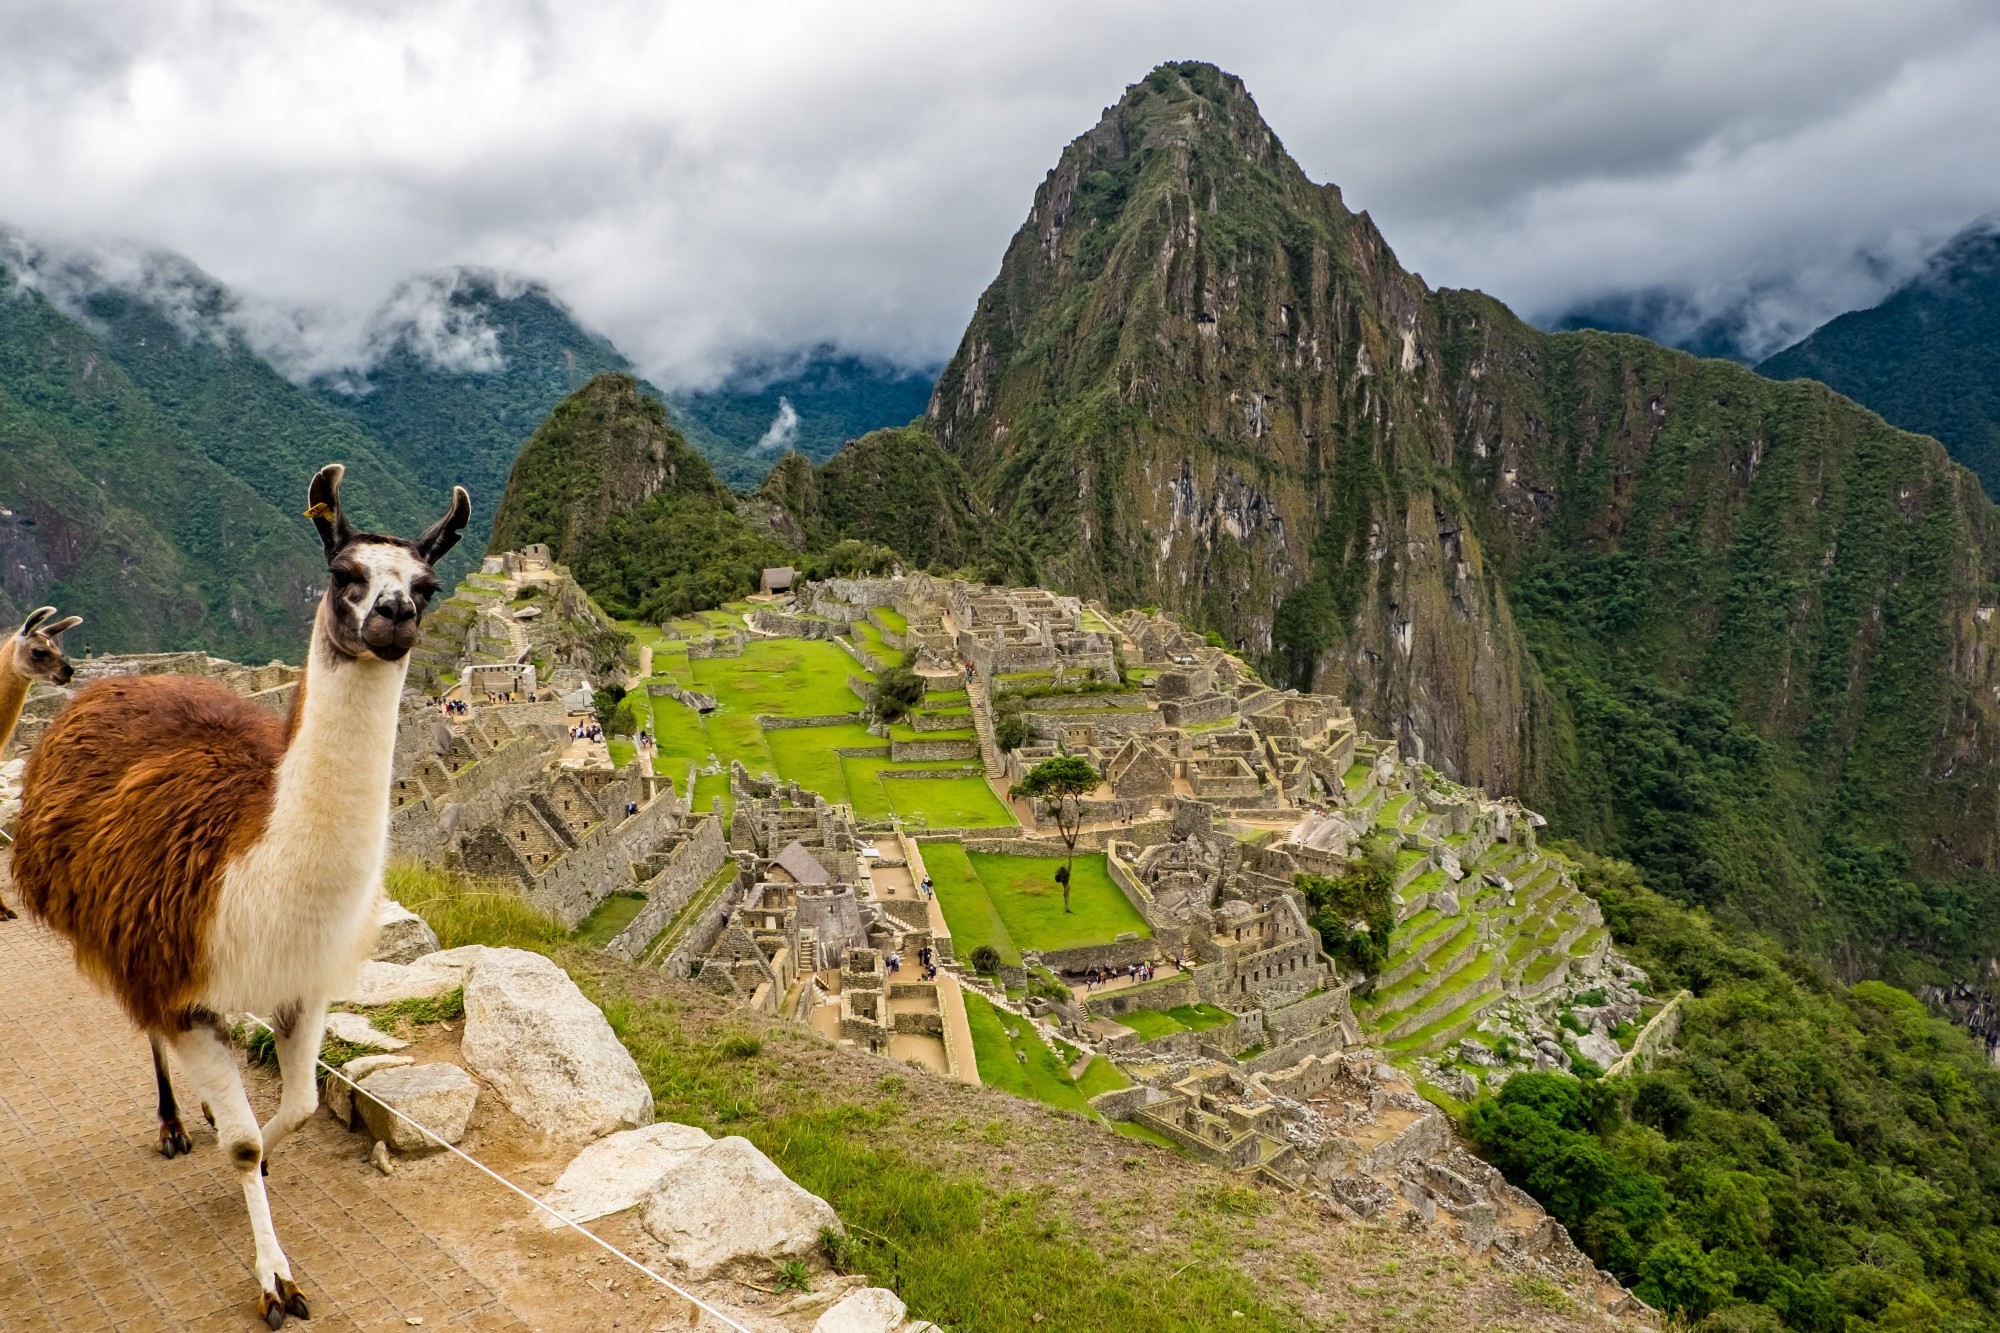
column 793, row 723
column 1175, row 990
column 921, row 751
column 1296, row 1020
column 702, row 932
column 690, row 866
column 782, row 625
column 573, row 884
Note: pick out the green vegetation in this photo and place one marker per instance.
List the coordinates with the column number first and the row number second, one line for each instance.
column 469, row 911
column 1354, row 913
column 608, row 919
column 587, row 482
column 1151, row 1023
column 1014, row 902
column 1022, row 1063
column 1062, row 781
column 1927, row 358
column 1830, row 1154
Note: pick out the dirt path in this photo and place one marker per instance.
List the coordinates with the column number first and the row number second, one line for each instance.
column 97, row 1231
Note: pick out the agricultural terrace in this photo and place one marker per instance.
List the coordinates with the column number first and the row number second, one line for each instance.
column 1013, row 902
column 798, row 678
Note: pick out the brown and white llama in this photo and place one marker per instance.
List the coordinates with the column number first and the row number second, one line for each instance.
column 31, row 653
column 207, row 857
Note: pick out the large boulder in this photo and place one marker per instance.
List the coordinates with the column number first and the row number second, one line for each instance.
column 432, row 975
column 869, row 1310
column 1599, row 1049
column 439, row 1097
column 547, row 1050
column 356, row 1030
column 615, row 1173
column 339, row 1094
column 401, row 935
column 728, row 1202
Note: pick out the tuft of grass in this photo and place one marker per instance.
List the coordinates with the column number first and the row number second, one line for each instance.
column 463, row 910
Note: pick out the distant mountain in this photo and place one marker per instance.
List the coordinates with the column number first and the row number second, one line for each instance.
column 811, row 405
column 466, row 364
column 119, row 498
column 1927, row 358
column 635, row 512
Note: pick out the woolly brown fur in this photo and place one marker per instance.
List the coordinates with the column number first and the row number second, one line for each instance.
column 142, row 792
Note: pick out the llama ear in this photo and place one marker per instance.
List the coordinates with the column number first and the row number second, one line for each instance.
column 62, row 627
column 323, row 508
column 35, row 617
column 442, row 535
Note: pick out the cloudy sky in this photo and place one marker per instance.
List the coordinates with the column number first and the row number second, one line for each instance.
column 708, row 181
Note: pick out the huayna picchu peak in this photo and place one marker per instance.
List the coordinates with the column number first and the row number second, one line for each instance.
column 1737, row 631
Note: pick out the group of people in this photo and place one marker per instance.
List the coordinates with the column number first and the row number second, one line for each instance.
column 1135, row 972
column 454, row 707
column 926, row 957
column 586, row 731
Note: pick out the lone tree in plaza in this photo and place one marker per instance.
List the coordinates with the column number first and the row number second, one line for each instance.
column 1063, row 781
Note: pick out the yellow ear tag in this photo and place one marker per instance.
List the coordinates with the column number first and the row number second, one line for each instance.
column 320, row 510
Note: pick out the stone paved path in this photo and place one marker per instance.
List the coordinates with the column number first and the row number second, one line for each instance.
column 99, row 1232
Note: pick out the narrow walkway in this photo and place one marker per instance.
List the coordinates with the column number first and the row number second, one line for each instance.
column 98, row 1231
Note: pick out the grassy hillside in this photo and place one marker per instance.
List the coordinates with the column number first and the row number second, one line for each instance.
column 1815, row 1157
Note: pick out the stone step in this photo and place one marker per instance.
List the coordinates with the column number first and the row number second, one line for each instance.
column 1420, row 953
column 1452, row 992
column 1466, row 950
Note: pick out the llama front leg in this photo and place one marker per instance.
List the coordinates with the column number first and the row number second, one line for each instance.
column 297, row 1028
column 210, row 1065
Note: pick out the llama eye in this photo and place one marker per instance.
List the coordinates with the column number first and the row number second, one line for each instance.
column 345, row 578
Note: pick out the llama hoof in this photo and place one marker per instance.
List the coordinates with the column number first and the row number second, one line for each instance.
column 273, row 1311
column 7, row 913
column 295, row 1300
column 174, row 1141
column 208, row 1115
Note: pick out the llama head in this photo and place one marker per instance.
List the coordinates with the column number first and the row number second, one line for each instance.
column 375, row 602
column 37, row 646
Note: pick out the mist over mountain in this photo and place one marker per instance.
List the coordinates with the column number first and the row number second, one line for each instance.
column 440, row 386
column 1928, row 357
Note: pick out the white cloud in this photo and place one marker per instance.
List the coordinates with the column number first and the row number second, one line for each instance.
column 708, row 182
column 783, row 430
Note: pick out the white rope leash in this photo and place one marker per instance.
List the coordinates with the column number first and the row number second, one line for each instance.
column 453, row 1148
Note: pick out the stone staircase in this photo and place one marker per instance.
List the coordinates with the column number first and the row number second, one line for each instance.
column 982, row 723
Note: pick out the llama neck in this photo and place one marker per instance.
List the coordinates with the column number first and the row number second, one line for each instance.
column 13, row 694
column 331, row 805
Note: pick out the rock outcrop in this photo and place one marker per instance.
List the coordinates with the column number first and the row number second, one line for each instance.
column 548, row 1051
column 439, row 1097
column 728, row 1202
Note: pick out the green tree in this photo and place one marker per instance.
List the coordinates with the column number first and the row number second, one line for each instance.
column 1063, row 781
column 896, row 692
column 1355, row 912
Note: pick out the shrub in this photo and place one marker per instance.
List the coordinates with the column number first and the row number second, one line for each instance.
column 986, row 959
column 896, row 692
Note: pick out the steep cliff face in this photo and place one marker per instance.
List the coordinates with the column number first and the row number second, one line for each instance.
column 1201, row 381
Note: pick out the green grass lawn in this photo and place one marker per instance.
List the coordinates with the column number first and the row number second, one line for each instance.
column 1040, row 1076
column 611, row 916
column 1101, row 1076
column 782, row 678
column 621, row 749
column 1024, row 892
column 891, row 619
column 967, row 909
column 948, row 802
column 1151, row 1023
